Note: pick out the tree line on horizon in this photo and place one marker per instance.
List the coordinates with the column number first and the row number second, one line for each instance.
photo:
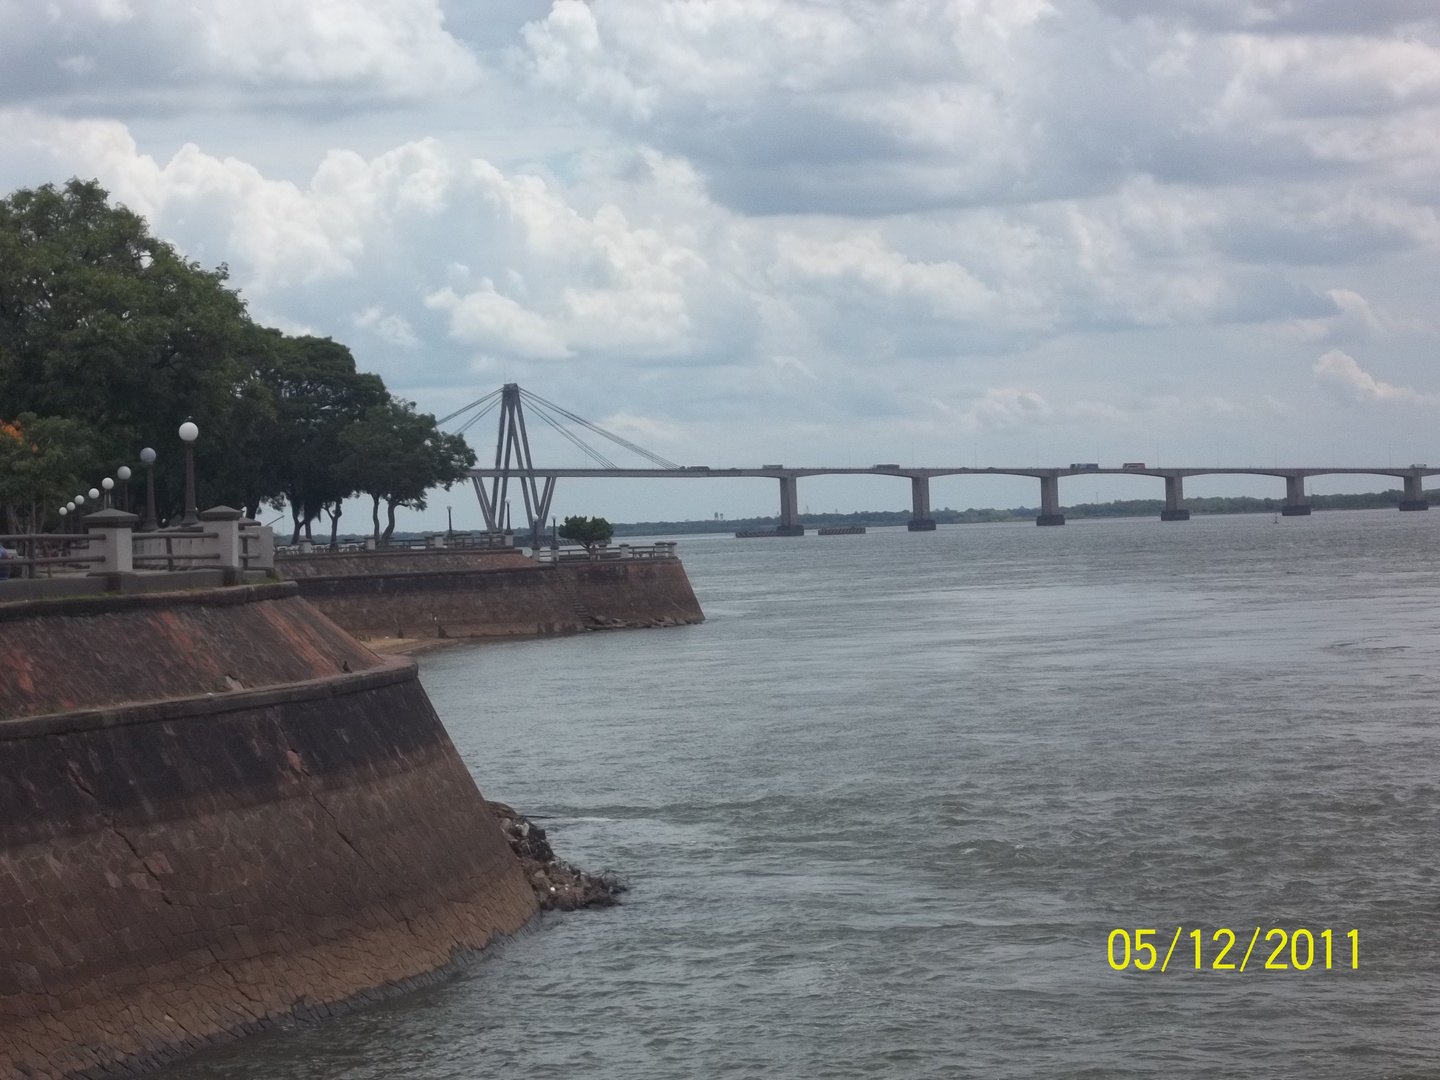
column 110, row 339
column 1198, row 505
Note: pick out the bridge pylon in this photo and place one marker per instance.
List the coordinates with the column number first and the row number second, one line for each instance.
column 512, row 445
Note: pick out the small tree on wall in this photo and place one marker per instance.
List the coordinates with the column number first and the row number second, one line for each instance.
column 587, row 530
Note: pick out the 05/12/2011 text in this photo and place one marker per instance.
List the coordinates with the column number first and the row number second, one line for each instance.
column 1301, row 954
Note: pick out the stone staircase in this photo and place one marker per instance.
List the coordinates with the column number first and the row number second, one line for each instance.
column 584, row 614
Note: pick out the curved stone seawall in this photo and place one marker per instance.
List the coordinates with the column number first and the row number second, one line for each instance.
column 325, row 564
column 409, row 599
column 175, row 872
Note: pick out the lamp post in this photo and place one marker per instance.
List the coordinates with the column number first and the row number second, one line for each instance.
column 450, row 523
column 188, row 434
column 78, row 501
column 109, row 486
column 123, row 475
column 147, row 458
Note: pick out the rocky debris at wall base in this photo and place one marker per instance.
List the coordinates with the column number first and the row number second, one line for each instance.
column 558, row 885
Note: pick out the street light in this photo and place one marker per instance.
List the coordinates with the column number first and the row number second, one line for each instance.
column 147, row 458
column 123, row 475
column 94, row 494
column 188, row 434
column 109, row 486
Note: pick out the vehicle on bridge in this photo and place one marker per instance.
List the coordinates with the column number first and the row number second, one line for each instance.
column 1086, row 466
column 1133, row 465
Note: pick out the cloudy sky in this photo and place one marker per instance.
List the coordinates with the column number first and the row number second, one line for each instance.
column 810, row 231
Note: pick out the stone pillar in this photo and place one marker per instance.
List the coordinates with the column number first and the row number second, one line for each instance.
column 1050, row 501
column 110, row 538
column 789, row 508
column 1296, row 504
column 1414, row 494
column 224, row 521
column 920, row 519
column 1174, row 500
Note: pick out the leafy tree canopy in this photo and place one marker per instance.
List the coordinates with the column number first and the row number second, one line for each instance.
column 110, row 329
column 586, row 530
column 397, row 455
column 41, row 463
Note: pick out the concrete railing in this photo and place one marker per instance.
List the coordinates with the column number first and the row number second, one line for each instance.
column 661, row 550
column 225, row 538
column 433, row 542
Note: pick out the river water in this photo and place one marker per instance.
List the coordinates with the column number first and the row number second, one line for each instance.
column 882, row 811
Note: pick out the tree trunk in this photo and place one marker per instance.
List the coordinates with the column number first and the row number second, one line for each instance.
column 390, row 505
column 335, row 523
column 375, row 517
column 295, row 517
column 308, row 535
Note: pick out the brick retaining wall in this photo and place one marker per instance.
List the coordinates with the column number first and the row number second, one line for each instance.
column 506, row 602
column 176, row 872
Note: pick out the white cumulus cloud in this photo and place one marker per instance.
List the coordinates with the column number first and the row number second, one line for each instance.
column 1341, row 372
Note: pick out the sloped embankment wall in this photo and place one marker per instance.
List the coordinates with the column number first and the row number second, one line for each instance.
column 637, row 592
column 411, row 600
column 177, row 871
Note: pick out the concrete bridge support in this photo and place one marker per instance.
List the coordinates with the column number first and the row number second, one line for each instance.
column 1050, row 502
column 1296, row 505
column 789, row 508
column 920, row 519
column 1175, row 500
column 1414, row 494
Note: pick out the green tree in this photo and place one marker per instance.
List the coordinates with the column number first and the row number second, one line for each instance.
column 397, row 455
column 104, row 324
column 587, row 530
column 42, row 463
column 318, row 394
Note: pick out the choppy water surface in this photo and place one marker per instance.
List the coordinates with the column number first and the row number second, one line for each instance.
column 881, row 812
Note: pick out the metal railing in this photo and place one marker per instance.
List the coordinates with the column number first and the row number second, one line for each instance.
column 171, row 557
column 50, row 550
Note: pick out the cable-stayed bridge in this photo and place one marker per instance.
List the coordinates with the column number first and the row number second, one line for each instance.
column 513, row 461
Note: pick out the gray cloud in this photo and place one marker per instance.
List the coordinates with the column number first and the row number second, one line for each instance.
column 148, row 54
column 756, row 224
column 864, row 109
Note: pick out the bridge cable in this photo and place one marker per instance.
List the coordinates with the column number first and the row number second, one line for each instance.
column 479, row 401
column 600, row 458
column 477, row 417
column 535, row 400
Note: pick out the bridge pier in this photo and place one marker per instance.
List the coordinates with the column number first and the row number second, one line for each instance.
column 920, row 519
column 789, row 508
column 1050, row 502
column 1295, row 504
column 1175, row 509
column 1414, row 494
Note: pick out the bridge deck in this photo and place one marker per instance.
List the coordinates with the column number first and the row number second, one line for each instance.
column 928, row 471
